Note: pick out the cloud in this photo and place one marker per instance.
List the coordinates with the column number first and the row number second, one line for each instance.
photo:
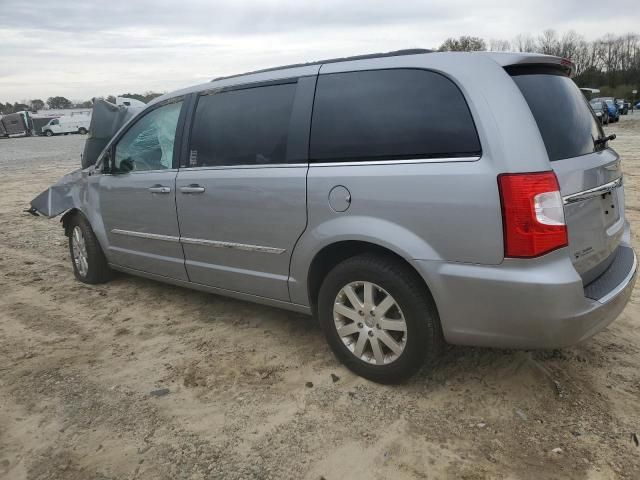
column 82, row 49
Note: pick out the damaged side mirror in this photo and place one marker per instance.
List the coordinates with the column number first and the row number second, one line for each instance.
column 106, row 161
column 126, row 165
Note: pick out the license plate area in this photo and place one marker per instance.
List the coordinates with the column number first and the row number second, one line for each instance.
column 610, row 209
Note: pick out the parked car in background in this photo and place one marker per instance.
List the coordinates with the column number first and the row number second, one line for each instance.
column 601, row 111
column 623, row 106
column 291, row 187
column 72, row 124
column 614, row 112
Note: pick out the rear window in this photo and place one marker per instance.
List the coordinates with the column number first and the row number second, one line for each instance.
column 566, row 123
column 390, row 114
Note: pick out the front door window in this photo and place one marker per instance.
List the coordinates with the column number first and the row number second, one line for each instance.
column 148, row 144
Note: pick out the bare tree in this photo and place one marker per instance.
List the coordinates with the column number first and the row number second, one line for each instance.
column 548, row 43
column 525, row 43
column 497, row 45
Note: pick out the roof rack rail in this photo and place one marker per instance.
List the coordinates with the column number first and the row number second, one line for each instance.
column 395, row 53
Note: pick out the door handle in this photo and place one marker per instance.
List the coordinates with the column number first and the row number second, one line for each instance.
column 194, row 188
column 159, row 189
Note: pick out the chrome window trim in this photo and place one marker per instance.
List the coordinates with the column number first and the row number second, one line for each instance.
column 200, row 241
column 347, row 163
column 592, row 192
column 355, row 163
column 244, row 167
column 140, row 172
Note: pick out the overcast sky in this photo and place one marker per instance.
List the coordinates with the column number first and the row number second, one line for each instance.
column 82, row 49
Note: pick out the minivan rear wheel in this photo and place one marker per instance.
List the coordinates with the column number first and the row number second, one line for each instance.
column 379, row 318
column 88, row 260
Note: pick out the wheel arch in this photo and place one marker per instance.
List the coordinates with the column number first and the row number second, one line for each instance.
column 334, row 253
column 65, row 220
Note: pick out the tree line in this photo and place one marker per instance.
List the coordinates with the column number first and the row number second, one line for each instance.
column 62, row 102
column 610, row 63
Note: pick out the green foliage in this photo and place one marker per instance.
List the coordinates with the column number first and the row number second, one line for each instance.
column 59, row 102
column 463, row 44
column 620, row 91
column 36, row 104
column 6, row 108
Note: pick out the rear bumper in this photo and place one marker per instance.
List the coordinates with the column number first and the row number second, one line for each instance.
column 537, row 303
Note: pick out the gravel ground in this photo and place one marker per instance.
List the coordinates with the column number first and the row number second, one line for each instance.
column 136, row 379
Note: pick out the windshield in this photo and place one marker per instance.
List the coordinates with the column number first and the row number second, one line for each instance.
column 567, row 124
column 596, row 105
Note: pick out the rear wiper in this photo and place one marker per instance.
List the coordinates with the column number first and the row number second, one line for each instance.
column 603, row 140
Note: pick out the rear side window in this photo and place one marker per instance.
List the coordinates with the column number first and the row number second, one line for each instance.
column 242, row 127
column 390, row 114
column 565, row 121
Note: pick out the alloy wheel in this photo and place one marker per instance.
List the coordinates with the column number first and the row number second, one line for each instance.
column 370, row 323
column 80, row 257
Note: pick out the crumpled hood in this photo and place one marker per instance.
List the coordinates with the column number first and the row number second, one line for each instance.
column 59, row 197
column 106, row 120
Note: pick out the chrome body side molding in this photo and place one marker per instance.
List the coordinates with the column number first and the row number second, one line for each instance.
column 236, row 246
column 152, row 236
column 198, row 241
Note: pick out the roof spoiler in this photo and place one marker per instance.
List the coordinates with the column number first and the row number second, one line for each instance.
column 520, row 62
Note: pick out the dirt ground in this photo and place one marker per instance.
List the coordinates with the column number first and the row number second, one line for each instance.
column 78, row 365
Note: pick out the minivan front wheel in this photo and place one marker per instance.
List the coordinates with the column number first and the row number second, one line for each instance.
column 87, row 258
column 378, row 318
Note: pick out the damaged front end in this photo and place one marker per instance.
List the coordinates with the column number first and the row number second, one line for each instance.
column 70, row 191
column 61, row 196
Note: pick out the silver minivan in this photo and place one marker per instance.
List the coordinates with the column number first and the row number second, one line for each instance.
column 407, row 200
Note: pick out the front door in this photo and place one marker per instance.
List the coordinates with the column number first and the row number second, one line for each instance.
column 242, row 201
column 137, row 199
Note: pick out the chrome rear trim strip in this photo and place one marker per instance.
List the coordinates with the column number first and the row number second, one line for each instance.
column 236, row 246
column 199, row 241
column 152, row 236
column 592, row 192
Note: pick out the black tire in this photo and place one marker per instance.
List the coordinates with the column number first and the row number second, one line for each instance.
column 48, row 133
column 424, row 339
column 98, row 270
column 82, row 131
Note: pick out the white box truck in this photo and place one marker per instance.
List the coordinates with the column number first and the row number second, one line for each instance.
column 72, row 124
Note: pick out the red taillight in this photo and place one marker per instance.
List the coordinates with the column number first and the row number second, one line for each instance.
column 532, row 214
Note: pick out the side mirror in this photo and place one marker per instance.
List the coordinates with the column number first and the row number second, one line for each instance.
column 126, row 165
column 105, row 160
